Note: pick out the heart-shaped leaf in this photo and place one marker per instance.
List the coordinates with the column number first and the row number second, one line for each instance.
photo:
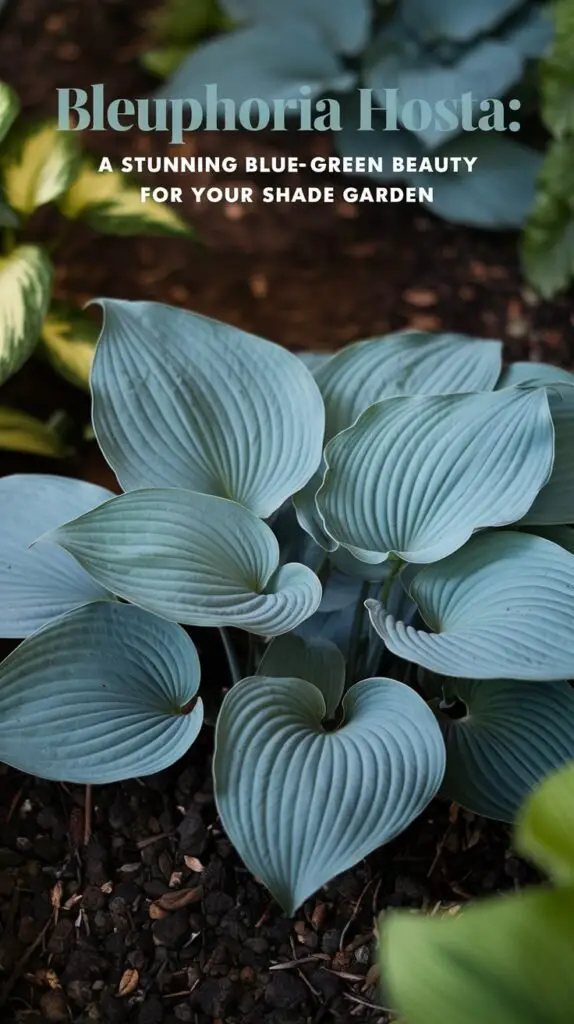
column 345, row 23
column 500, row 607
column 268, row 60
column 453, row 21
column 301, row 805
column 192, row 558
column 555, row 503
column 184, row 401
column 418, row 475
column 411, row 363
column 513, row 735
column 25, row 289
column 40, row 583
column 9, row 107
column 318, row 661
column 534, row 375
column 545, row 828
column 39, row 165
column 502, row 961
column 106, row 693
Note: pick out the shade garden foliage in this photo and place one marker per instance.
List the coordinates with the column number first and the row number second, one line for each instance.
column 389, row 525
column 434, row 50
column 41, row 166
column 506, row 960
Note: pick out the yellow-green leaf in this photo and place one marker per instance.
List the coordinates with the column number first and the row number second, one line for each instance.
column 545, row 829
column 39, row 165
column 25, row 290
column 507, row 960
column 70, row 338
column 9, row 107
column 22, row 433
column 110, row 204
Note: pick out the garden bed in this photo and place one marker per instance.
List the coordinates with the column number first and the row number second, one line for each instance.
column 97, row 933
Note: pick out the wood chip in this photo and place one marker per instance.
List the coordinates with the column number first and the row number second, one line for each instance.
column 181, row 898
column 128, row 982
column 421, row 298
column 193, row 864
column 156, row 913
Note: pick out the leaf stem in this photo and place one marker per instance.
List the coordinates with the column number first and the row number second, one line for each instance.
column 356, row 633
column 8, row 240
column 231, row 655
column 388, row 584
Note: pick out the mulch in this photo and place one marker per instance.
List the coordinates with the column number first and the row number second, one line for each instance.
column 155, row 919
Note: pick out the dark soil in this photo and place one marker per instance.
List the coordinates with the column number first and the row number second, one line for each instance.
column 156, row 920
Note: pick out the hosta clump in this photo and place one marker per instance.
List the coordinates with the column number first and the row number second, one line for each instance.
column 434, row 50
column 390, row 525
column 39, row 166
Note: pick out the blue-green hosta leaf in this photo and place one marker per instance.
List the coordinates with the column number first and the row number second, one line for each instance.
column 40, row 583
column 193, row 558
column 318, row 661
column 506, row 960
column 25, row 291
column 411, row 363
column 105, row 693
column 513, row 735
column 533, row 375
column 532, row 33
column 180, row 400
column 313, row 360
column 555, row 503
column 544, row 831
column 308, row 515
column 344, row 23
column 500, row 607
column 302, row 805
column 9, row 107
column 455, row 21
column 269, row 61
column 416, row 476
column 487, row 71
column 499, row 192
column 351, row 141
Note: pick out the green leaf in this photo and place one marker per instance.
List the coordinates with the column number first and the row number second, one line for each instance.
column 545, row 828
column 20, row 432
column 513, row 735
column 318, row 661
column 558, row 75
column 499, row 193
column 163, row 61
column 9, row 109
column 404, row 478
column 105, row 693
column 547, row 246
column 69, row 338
column 192, row 558
column 8, row 218
column 499, row 607
column 506, row 960
column 344, row 23
column 180, row 400
column 39, row 165
column 487, row 70
column 179, row 22
column 409, row 363
column 25, row 292
column 534, row 375
column 455, row 21
column 301, row 805
column 40, row 583
column 111, row 205
column 268, row 60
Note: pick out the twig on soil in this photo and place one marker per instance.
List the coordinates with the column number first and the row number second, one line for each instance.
column 21, row 964
column 356, row 909
column 289, row 964
column 88, row 810
column 13, row 805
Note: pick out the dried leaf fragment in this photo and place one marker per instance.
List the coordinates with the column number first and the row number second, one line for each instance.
column 128, row 982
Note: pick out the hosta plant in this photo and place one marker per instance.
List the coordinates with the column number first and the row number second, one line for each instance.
column 506, row 960
column 434, row 50
column 40, row 165
column 388, row 525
